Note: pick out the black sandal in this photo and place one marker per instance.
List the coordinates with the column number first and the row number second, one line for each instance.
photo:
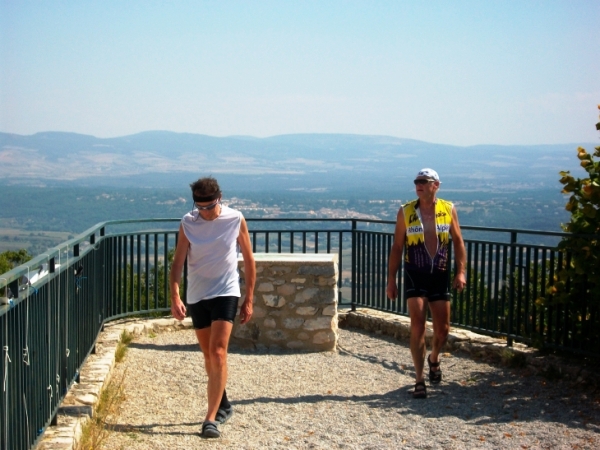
column 420, row 390
column 224, row 414
column 210, row 430
column 435, row 376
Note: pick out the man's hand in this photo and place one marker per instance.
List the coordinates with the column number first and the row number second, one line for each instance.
column 459, row 282
column 392, row 291
column 178, row 308
column 246, row 311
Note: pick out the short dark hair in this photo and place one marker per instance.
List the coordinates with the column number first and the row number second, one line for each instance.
column 205, row 186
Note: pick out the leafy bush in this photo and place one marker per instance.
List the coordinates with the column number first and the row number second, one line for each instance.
column 11, row 259
column 584, row 206
column 576, row 284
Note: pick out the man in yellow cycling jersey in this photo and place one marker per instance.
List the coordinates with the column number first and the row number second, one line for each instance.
column 423, row 230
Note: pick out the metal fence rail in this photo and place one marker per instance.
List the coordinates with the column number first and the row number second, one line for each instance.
column 120, row 268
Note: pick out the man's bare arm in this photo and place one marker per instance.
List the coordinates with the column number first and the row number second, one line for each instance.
column 249, row 272
column 395, row 258
column 177, row 307
column 460, row 254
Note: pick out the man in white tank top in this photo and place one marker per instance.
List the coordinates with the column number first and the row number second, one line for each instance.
column 210, row 237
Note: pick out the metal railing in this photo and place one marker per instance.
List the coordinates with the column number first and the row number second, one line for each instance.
column 120, row 268
column 506, row 294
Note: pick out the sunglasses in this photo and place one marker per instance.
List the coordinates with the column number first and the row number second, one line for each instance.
column 422, row 181
column 208, row 207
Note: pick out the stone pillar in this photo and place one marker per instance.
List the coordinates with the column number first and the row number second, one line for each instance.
column 295, row 302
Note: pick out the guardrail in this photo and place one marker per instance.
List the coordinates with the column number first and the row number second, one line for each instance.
column 120, row 268
column 506, row 281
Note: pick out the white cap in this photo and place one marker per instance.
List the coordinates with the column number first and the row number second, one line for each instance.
column 429, row 173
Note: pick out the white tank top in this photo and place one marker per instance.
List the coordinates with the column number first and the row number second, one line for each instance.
column 212, row 255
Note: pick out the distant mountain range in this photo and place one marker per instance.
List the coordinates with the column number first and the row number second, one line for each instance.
column 292, row 162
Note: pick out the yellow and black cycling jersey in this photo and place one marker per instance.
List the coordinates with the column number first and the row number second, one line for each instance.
column 416, row 256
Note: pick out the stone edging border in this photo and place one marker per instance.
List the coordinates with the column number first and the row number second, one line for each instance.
column 80, row 402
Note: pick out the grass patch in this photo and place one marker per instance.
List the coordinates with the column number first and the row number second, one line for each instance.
column 516, row 360
column 126, row 338
column 97, row 429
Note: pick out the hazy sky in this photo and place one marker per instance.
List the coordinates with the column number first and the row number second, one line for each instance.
column 453, row 72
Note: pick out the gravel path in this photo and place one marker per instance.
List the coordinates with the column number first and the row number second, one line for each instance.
column 357, row 398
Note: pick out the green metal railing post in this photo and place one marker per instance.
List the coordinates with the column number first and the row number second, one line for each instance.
column 511, row 293
column 354, row 272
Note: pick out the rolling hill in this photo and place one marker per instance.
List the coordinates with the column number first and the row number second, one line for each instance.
column 291, row 162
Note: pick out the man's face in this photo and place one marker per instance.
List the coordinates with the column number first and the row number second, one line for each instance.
column 209, row 210
column 425, row 186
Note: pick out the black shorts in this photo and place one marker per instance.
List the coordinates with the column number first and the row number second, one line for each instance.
column 433, row 286
column 206, row 312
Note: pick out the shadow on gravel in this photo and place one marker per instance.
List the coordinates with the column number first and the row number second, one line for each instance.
column 454, row 400
column 492, row 395
column 497, row 394
column 149, row 428
column 166, row 348
column 383, row 362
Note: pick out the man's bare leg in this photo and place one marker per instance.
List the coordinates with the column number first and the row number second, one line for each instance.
column 418, row 314
column 440, row 315
column 214, row 342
